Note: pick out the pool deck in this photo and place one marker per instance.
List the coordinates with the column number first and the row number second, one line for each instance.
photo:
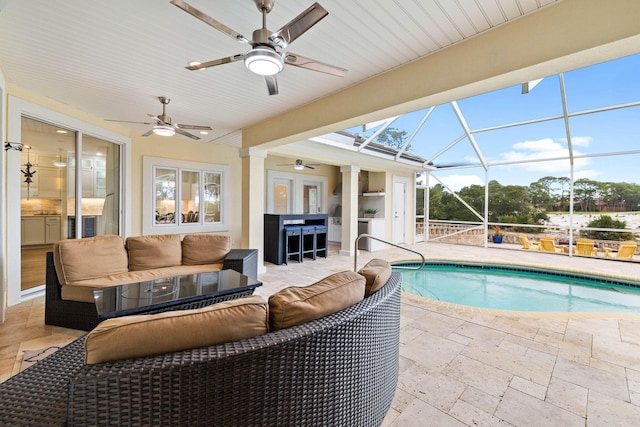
column 462, row 366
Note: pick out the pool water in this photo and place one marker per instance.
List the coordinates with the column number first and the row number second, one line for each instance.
column 520, row 289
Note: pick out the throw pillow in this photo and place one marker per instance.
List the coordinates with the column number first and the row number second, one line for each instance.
column 154, row 251
column 296, row 305
column 198, row 249
column 377, row 273
column 130, row 337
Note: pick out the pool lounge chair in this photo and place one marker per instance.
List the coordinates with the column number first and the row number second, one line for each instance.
column 548, row 244
column 585, row 247
column 527, row 244
column 626, row 250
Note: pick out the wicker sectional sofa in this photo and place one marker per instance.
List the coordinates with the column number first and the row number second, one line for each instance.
column 76, row 267
column 340, row 369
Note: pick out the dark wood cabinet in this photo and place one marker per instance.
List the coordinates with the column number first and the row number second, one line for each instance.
column 274, row 232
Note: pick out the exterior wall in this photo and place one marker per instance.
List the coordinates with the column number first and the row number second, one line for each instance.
column 182, row 148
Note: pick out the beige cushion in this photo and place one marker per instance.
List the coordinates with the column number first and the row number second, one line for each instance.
column 83, row 259
column 147, row 252
column 130, row 337
column 82, row 290
column 377, row 273
column 204, row 248
column 296, row 305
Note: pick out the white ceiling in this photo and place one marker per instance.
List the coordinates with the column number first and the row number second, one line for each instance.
column 112, row 59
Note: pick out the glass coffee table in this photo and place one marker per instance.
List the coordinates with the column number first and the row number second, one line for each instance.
column 172, row 293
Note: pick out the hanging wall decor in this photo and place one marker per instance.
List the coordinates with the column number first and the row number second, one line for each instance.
column 28, row 173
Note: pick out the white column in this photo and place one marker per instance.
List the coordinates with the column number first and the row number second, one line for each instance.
column 253, row 202
column 349, row 209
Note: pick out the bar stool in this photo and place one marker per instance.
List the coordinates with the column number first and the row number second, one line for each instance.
column 292, row 242
column 309, row 241
column 321, row 240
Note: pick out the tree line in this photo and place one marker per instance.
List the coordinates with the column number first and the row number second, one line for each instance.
column 531, row 204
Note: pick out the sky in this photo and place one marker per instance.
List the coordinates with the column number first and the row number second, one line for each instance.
column 595, row 135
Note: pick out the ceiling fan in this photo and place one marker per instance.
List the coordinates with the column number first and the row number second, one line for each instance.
column 432, row 166
column 300, row 165
column 265, row 56
column 162, row 125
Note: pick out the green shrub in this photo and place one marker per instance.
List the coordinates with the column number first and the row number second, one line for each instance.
column 605, row 221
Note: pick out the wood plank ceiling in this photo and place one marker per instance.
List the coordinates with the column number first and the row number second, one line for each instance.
column 113, row 58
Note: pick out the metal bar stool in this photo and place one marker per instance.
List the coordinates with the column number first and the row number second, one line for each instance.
column 292, row 243
column 309, row 241
column 321, row 240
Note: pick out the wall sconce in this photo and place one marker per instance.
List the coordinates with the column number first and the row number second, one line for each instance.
column 13, row 146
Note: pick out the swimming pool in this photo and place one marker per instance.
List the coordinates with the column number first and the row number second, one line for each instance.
column 520, row 288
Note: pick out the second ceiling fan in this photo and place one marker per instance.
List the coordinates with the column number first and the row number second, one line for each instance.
column 162, row 124
column 265, row 56
column 300, row 165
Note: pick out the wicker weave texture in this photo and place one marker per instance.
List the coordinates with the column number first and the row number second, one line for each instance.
column 340, row 370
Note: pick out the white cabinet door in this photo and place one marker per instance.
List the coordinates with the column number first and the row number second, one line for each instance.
column 335, row 232
column 52, row 229
column 32, row 230
column 49, row 183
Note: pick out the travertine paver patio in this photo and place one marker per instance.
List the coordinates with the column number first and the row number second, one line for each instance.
column 461, row 366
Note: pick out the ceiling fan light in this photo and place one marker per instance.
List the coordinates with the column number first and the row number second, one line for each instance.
column 164, row 130
column 263, row 61
column 298, row 167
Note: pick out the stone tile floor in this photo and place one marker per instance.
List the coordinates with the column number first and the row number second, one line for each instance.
column 462, row 366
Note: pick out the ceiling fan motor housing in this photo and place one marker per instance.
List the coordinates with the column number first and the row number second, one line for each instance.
column 265, row 5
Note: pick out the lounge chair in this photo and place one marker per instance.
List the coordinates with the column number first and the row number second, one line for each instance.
column 585, row 247
column 548, row 244
column 527, row 244
column 626, row 250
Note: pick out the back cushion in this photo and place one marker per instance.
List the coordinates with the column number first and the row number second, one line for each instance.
column 147, row 252
column 83, row 259
column 204, row 248
column 296, row 305
column 130, row 337
column 377, row 273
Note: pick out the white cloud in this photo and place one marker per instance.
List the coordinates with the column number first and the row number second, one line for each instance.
column 546, row 148
column 579, row 141
column 541, row 145
column 587, row 173
column 457, row 182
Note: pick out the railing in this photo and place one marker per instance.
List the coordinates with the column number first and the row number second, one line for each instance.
column 400, row 267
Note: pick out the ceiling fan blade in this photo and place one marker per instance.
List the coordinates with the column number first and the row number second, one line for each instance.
column 127, row 121
column 272, row 84
column 193, row 127
column 311, row 64
column 157, row 119
column 450, row 165
column 147, row 133
column 209, row 20
column 309, row 166
column 228, row 59
column 184, row 133
column 298, row 25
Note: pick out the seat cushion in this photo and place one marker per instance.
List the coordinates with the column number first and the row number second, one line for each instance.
column 85, row 259
column 296, row 305
column 131, row 337
column 155, row 251
column 377, row 273
column 204, row 248
column 82, row 290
